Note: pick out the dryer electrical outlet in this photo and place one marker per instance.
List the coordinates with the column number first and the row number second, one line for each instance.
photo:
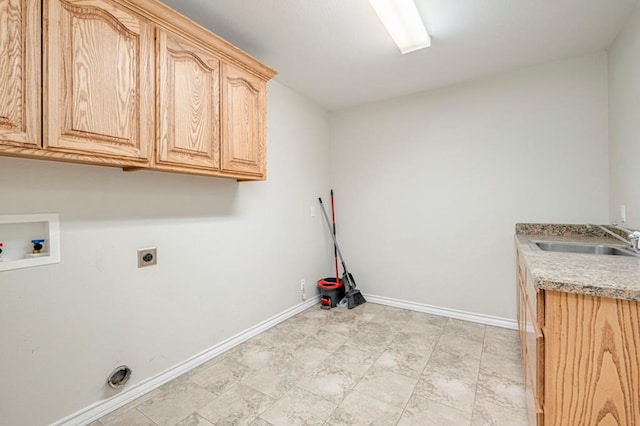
column 147, row 257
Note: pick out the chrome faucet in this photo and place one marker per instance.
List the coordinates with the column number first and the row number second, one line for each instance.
column 634, row 236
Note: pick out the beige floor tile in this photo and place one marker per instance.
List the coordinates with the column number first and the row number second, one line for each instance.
column 436, row 320
column 239, row 405
column 451, row 391
column 353, row 359
column 370, row 341
column 360, row 409
column 432, row 413
column 286, row 338
column 453, row 365
column 395, row 317
column 220, row 376
column 502, row 342
column 129, row 418
column 488, row 413
column 257, row 355
column 382, row 329
column 326, row 340
column 131, row 405
column 308, row 322
column 275, row 381
column 419, row 343
column 460, row 346
column 299, row 407
column 355, row 315
column 342, row 328
column 465, row 329
column 503, row 391
column 368, row 307
column 330, row 382
column 179, row 401
column 425, row 328
column 194, row 420
column 389, row 387
column 260, row 422
column 310, row 357
column 402, row 362
column 500, row 367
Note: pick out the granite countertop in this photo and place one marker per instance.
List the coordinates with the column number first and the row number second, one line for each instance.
column 597, row 275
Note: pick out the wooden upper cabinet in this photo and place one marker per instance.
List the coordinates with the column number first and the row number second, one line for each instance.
column 20, row 78
column 188, row 104
column 243, row 122
column 99, row 97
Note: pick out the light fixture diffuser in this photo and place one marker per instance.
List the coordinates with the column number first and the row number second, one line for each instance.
column 403, row 22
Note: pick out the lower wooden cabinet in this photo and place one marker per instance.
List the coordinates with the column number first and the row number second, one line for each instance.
column 581, row 356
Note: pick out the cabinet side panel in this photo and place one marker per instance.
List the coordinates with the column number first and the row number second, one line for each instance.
column 592, row 360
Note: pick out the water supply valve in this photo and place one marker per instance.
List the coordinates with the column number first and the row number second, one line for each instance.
column 1, row 252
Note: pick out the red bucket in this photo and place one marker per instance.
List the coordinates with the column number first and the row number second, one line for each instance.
column 331, row 292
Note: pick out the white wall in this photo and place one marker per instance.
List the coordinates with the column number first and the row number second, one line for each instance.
column 429, row 186
column 229, row 256
column 624, row 119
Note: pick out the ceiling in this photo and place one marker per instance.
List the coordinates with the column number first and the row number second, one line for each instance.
column 337, row 53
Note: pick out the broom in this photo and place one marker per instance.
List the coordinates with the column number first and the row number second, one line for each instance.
column 353, row 295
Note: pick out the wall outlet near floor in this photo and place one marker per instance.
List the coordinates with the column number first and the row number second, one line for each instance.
column 302, row 284
column 623, row 213
column 147, row 257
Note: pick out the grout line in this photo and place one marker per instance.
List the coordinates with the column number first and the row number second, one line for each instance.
column 475, row 394
column 147, row 417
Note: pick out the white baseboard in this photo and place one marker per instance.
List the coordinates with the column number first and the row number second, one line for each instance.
column 99, row 409
column 444, row 312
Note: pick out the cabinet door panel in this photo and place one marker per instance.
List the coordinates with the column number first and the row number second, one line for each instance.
column 592, row 368
column 20, row 70
column 188, row 99
column 243, row 122
column 100, row 96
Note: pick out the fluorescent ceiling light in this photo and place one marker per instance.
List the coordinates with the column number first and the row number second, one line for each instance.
column 403, row 22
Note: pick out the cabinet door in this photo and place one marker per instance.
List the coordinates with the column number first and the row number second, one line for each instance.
column 592, row 367
column 20, row 73
column 243, row 122
column 188, row 104
column 99, row 98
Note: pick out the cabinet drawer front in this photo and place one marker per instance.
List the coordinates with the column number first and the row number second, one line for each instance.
column 100, row 81
column 20, row 70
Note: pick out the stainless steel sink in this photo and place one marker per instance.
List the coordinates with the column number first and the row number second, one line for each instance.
column 601, row 249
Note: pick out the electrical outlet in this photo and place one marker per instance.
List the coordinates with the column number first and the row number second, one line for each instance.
column 147, row 257
column 302, row 284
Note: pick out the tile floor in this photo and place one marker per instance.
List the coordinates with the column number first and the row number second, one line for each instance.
column 372, row 365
